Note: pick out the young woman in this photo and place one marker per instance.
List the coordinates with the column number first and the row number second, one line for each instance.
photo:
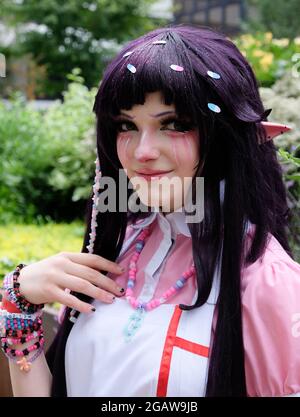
column 202, row 308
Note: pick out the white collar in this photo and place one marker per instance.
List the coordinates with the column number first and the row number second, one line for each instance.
column 173, row 222
column 177, row 222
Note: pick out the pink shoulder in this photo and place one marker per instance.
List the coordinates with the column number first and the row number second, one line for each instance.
column 271, row 323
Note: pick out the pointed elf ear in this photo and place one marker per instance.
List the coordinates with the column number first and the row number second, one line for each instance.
column 274, row 129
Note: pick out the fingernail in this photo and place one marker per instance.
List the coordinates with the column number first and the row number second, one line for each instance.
column 93, row 309
column 121, row 290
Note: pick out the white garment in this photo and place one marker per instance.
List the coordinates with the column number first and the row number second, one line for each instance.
column 98, row 360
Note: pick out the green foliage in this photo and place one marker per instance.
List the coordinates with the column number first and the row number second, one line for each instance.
column 78, row 33
column 270, row 58
column 31, row 243
column 284, row 100
column 291, row 168
column 281, row 17
column 71, row 139
column 23, row 159
column 47, row 157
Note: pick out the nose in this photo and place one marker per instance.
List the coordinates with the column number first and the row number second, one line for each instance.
column 147, row 148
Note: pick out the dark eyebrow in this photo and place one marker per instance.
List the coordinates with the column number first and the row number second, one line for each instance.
column 163, row 113
column 152, row 115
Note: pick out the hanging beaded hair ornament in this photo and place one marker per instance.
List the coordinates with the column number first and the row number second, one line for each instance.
column 90, row 246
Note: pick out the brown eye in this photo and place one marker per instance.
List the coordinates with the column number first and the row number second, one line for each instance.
column 124, row 126
column 178, row 125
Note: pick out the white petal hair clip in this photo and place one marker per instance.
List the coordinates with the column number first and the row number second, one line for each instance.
column 131, row 68
column 127, row 54
column 175, row 67
column 213, row 74
column 213, row 107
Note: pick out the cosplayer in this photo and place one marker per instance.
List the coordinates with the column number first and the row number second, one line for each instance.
column 200, row 308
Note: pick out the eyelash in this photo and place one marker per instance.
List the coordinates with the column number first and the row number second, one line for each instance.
column 186, row 125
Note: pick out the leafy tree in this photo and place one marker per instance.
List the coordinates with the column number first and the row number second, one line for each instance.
column 74, row 33
column 281, row 17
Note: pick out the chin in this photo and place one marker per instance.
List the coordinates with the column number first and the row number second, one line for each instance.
column 157, row 203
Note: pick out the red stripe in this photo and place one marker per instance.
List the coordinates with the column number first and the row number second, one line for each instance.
column 171, row 341
column 164, row 371
column 192, row 347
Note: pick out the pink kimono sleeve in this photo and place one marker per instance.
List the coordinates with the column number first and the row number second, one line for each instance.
column 271, row 324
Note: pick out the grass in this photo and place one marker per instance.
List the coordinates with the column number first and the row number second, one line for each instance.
column 31, row 243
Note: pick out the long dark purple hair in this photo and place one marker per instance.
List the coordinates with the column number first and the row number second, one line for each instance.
column 229, row 150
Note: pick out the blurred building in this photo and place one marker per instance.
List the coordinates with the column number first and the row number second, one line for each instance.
column 224, row 15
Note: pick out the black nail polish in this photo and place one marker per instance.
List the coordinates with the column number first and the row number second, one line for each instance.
column 122, row 290
column 93, row 309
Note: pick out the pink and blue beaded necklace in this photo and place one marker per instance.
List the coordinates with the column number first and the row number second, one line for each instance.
column 141, row 308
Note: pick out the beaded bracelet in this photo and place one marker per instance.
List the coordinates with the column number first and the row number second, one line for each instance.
column 22, row 339
column 25, row 352
column 18, row 324
column 11, row 329
column 25, row 363
column 19, row 315
column 12, row 292
column 19, row 328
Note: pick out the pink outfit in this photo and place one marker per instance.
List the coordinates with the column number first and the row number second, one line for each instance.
column 270, row 306
column 270, row 302
column 271, row 321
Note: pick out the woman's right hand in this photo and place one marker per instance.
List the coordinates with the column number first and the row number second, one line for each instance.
column 45, row 281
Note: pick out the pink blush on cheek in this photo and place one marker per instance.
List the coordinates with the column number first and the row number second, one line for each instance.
column 175, row 146
column 122, row 146
column 183, row 146
column 188, row 146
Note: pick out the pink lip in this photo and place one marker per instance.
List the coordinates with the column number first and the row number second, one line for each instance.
column 148, row 174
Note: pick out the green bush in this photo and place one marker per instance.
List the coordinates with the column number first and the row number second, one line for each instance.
column 24, row 160
column 47, row 157
column 71, row 139
column 270, row 58
column 281, row 17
